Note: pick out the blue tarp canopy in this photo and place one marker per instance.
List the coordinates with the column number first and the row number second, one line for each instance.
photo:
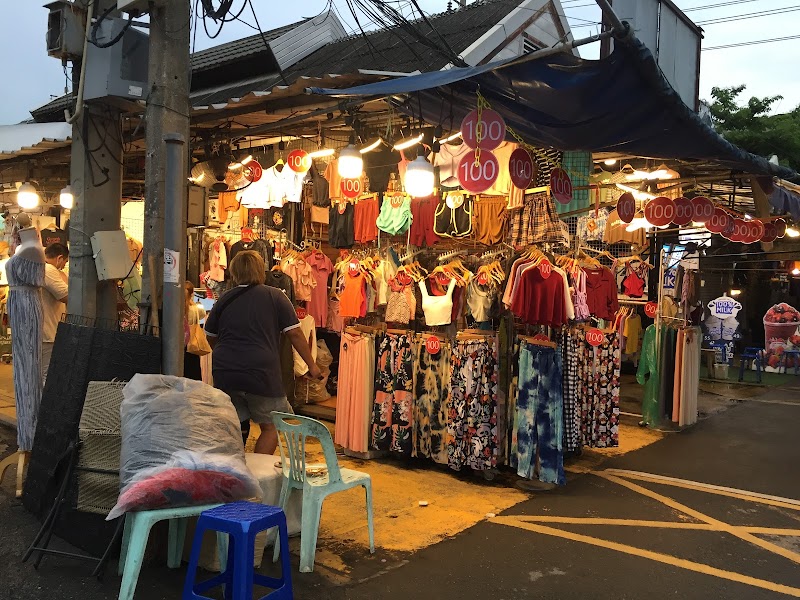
column 620, row 104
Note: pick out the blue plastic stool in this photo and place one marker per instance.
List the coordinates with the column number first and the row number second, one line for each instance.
column 753, row 354
column 796, row 355
column 241, row 521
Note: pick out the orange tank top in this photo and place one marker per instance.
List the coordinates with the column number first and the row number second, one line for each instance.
column 352, row 297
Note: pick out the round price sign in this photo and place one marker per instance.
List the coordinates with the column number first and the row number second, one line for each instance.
column 341, row 207
column 739, row 230
column 650, row 309
column 433, row 345
column 594, row 336
column 477, row 176
column 756, row 230
column 727, row 233
column 301, row 313
column 486, row 133
column 403, row 278
column 626, row 207
column 299, row 161
column 350, row 188
column 781, row 227
column 718, row 221
column 684, row 211
column 770, row 232
column 520, row 167
column 253, row 171
column 561, row 186
column 660, row 211
column 545, row 268
column 703, row 209
column 354, row 268
column 396, row 201
column 483, row 279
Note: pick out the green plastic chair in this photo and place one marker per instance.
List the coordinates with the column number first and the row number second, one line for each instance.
column 137, row 531
column 315, row 489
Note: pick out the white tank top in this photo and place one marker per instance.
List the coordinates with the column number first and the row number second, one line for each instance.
column 438, row 309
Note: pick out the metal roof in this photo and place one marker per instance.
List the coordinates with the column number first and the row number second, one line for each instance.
column 27, row 139
column 237, row 49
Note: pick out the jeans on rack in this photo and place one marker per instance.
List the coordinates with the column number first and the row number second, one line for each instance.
column 539, row 418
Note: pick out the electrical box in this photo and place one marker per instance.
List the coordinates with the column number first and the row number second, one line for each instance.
column 119, row 71
column 111, row 255
column 196, row 213
column 66, row 24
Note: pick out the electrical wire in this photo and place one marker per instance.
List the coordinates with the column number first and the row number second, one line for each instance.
column 99, row 21
column 753, row 43
column 752, row 15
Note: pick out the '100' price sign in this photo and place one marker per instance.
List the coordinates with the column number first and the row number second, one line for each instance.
column 486, row 132
column 520, row 168
column 299, row 161
column 477, row 173
column 594, row 337
column 561, row 186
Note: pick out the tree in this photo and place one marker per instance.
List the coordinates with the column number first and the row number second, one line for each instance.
column 752, row 128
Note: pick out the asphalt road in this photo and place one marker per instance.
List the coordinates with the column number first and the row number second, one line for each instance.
column 673, row 540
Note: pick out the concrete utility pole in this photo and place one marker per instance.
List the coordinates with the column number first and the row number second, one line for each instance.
column 96, row 180
column 167, row 113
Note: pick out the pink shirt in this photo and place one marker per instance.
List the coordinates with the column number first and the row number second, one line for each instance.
column 321, row 268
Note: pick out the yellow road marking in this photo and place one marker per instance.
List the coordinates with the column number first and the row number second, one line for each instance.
column 656, row 556
column 721, row 526
column 709, row 488
column 653, row 524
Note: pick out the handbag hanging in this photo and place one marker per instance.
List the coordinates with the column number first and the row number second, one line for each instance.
column 198, row 342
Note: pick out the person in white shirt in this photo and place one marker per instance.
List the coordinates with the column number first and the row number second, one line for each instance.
column 54, row 298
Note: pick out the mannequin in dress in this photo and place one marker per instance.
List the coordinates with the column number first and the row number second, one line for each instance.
column 25, row 273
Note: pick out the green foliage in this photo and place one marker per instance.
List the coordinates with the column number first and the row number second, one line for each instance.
column 751, row 127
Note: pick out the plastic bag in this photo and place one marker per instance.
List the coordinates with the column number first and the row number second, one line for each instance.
column 313, row 391
column 172, row 424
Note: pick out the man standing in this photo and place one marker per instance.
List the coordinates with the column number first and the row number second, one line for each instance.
column 54, row 298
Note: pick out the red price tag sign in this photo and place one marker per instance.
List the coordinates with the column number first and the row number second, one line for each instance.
column 561, row 186
column 443, row 279
column 660, row 211
column 253, row 171
column 486, row 133
column 545, row 268
column 299, row 161
column 433, row 345
column 540, row 337
column 351, row 188
column 521, row 169
column 626, row 207
column 684, row 211
column 718, row 221
column 397, row 200
column 739, row 230
column 780, row 224
column 341, row 207
column 703, row 209
column 770, row 232
column 301, row 313
column 483, row 279
column 650, row 309
column 595, row 337
column 757, row 230
column 354, row 268
column 478, row 176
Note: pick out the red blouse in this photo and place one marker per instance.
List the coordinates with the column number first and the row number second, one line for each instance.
column 601, row 293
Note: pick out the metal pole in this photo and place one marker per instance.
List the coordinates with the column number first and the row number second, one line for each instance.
column 172, row 331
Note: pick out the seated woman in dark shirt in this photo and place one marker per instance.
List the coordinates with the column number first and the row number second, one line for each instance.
column 244, row 330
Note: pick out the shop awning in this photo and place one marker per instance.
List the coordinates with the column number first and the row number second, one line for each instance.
column 28, row 139
column 620, row 104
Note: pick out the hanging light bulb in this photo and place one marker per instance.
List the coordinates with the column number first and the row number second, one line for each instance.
column 370, row 147
column 351, row 165
column 610, row 161
column 322, row 152
column 638, row 222
column 792, row 232
column 419, row 178
column 66, row 198
column 452, row 137
column 27, row 196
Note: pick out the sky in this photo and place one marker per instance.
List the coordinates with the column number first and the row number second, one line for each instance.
column 30, row 78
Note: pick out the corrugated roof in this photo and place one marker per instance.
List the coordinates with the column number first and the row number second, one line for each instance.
column 28, row 139
column 232, row 51
column 392, row 49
